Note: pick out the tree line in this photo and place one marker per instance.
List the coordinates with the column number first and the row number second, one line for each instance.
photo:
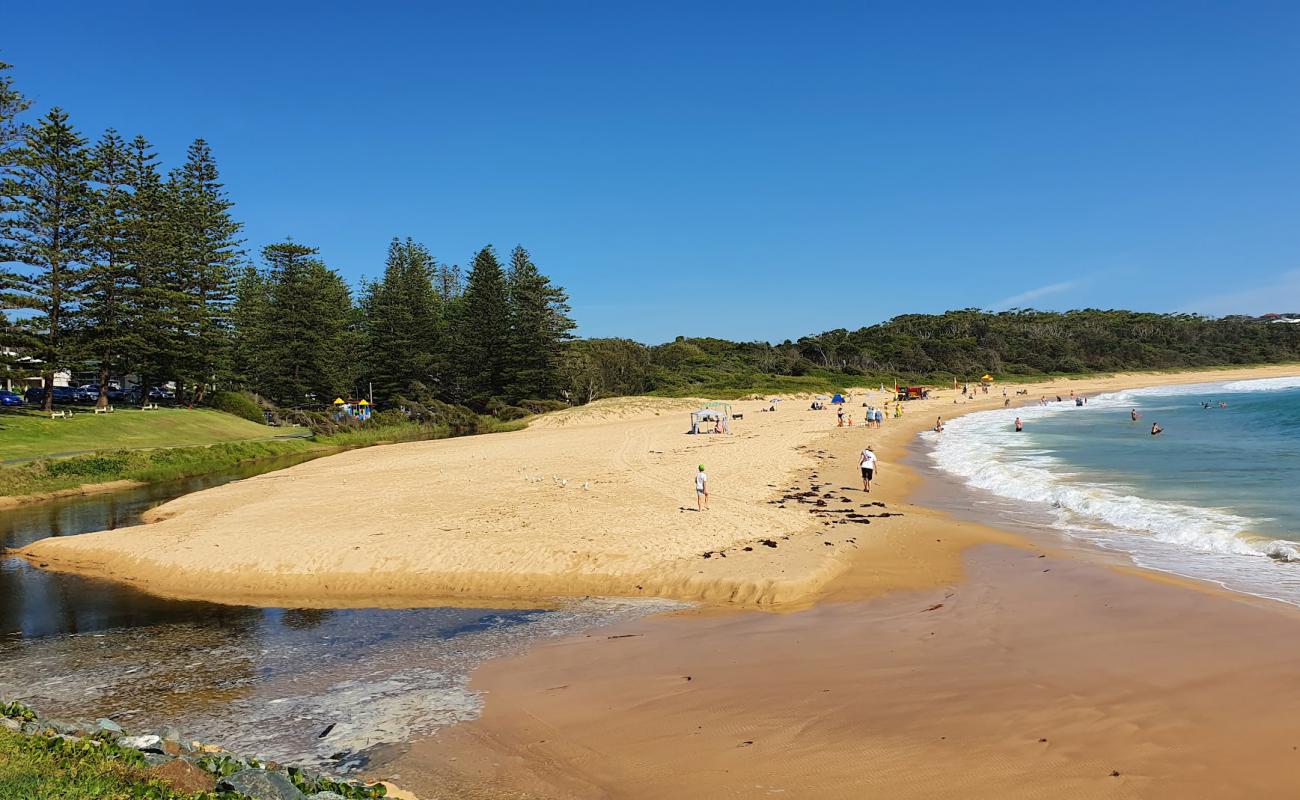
column 106, row 260
column 963, row 344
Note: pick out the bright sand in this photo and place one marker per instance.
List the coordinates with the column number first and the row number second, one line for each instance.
column 942, row 690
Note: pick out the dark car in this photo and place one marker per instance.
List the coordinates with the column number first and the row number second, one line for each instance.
column 10, row 399
column 62, row 394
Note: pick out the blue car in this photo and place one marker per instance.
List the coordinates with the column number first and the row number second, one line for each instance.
column 10, row 399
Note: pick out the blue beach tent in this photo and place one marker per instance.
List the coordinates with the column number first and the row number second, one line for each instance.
column 839, row 398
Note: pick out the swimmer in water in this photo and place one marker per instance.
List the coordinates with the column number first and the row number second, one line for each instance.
column 1020, row 426
column 1156, row 429
column 1134, row 415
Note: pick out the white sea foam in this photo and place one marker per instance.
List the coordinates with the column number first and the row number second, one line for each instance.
column 983, row 451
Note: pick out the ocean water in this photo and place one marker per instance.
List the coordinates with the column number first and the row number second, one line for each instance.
column 1215, row 497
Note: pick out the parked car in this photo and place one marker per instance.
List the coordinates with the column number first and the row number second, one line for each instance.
column 62, row 395
column 11, row 399
column 86, row 394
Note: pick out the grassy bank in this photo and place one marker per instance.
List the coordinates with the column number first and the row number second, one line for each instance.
column 36, row 479
column 30, row 434
column 41, row 768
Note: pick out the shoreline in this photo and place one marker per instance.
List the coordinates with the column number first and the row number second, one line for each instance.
column 627, row 452
column 1005, row 665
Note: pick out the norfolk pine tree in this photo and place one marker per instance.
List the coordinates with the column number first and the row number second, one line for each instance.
column 48, row 228
column 107, row 332
column 12, row 104
column 481, row 332
column 207, row 253
column 300, row 340
column 403, row 322
column 540, row 327
column 159, row 299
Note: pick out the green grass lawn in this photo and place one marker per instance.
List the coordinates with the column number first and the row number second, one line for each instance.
column 48, row 769
column 30, row 434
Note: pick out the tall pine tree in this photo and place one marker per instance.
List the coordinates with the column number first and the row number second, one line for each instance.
column 294, row 331
column 481, row 332
column 207, row 254
column 12, row 105
column 540, row 326
column 403, row 315
column 159, row 300
column 51, row 201
column 107, row 331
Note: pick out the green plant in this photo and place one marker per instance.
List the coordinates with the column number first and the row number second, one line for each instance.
column 240, row 404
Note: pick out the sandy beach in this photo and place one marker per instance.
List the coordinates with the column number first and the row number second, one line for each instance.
column 924, row 656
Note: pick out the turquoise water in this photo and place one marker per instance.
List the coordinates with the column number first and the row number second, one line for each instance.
column 1216, row 496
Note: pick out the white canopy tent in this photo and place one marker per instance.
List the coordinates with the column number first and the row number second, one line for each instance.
column 700, row 421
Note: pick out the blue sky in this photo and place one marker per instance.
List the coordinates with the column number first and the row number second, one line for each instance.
column 747, row 170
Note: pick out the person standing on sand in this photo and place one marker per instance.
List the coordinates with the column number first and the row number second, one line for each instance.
column 701, row 490
column 868, row 466
column 840, row 414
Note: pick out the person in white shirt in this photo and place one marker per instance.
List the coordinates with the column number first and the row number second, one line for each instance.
column 868, row 466
column 701, row 490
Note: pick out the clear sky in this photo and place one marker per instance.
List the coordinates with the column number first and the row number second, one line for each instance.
column 749, row 170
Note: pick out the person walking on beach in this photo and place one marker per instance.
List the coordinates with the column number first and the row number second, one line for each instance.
column 701, row 490
column 868, row 466
column 840, row 414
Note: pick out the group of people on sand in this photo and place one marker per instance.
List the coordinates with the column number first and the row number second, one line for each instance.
column 867, row 464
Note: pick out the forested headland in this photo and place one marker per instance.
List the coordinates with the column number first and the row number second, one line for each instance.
column 110, row 262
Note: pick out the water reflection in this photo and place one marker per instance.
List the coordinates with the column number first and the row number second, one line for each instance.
column 35, row 603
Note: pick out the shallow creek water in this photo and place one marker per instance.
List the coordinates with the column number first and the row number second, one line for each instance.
column 260, row 681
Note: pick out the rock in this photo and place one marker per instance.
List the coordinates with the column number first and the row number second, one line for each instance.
column 169, row 734
column 10, row 724
column 146, row 742
column 172, row 747
column 108, row 725
column 156, row 759
column 183, row 777
column 326, row 796
column 261, row 785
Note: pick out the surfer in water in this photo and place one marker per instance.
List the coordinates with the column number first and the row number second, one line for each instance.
column 1156, row 429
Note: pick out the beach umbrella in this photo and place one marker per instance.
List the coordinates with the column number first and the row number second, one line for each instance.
column 338, row 401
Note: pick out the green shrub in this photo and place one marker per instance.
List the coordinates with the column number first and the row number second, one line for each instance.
column 542, row 406
column 240, row 404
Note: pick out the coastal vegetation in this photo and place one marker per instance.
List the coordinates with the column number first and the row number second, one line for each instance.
column 171, row 460
column 43, row 759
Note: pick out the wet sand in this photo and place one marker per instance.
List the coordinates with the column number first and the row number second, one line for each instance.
column 999, row 666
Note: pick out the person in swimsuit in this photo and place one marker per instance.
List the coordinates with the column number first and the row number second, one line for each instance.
column 1156, row 429
column 701, row 490
column 1020, row 426
column 1134, row 415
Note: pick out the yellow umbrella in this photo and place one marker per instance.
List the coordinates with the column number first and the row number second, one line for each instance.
column 363, row 403
column 338, row 401
column 987, row 378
